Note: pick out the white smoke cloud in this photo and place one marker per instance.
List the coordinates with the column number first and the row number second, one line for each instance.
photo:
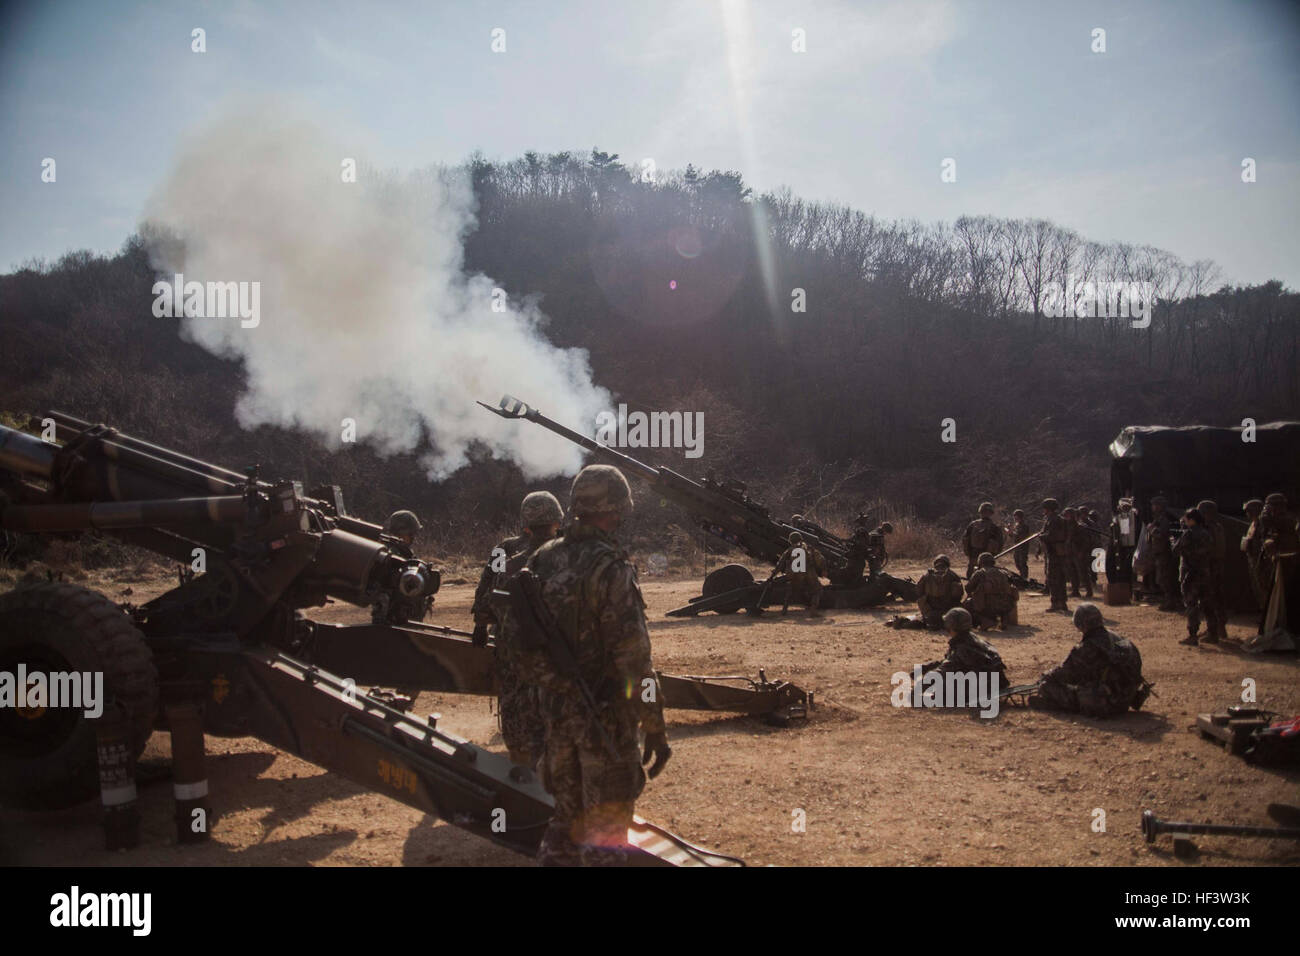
column 365, row 310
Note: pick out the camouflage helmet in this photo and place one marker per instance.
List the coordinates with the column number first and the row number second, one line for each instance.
column 986, row 506
column 1087, row 616
column 600, row 489
column 402, row 522
column 796, row 537
column 861, row 519
column 1051, row 504
column 1018, row 513
column 1276, row 498
column 1254, row 504
column 886, row 527
column 540, row 507
column 1067, row 513
column 957, row 618
column 1159, row 500
column 1094, row 515
column 942, row 559
column 985, row 560
column 1207, row 507
column 796, row 517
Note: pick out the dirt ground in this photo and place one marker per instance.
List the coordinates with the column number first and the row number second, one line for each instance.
column 878, row 785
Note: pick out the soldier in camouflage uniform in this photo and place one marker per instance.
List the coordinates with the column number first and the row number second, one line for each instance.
column 992, row 595
column 967, row 654
column 1162, row 555
column 1019, row 531
column 938, row 591
column 1217, row 626
column 1083, row 543
column 982, row 534
column 1252, row 544
column 401, row 529
column 522, row 727
column 1279, row 544
column 1054, row 536
column 590, row 588
column 1196, row 549
column 1101, row 676
column 804, row 565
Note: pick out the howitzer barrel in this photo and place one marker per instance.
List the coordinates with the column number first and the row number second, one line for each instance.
column 26, row 454
column 69, row 423
column 511, row 407
column 81, row 515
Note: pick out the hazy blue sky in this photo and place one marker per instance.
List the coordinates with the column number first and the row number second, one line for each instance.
column 1142, row 143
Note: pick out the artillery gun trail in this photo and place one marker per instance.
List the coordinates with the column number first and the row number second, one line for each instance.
column 228, row 651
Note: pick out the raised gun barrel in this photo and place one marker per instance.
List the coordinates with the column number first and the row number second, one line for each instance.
column 720, row 508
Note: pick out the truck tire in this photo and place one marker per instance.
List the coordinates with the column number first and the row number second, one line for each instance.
column 47, row 755
column 729, row 577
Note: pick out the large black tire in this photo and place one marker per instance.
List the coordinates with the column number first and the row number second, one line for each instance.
column 48, row 760
column 729, row 577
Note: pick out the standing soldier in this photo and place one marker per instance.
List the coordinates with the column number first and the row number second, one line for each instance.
column 1019, row 531
column 1082, row 544
column 1124, row 533
column 938, row 590
column 522, row 727
column 1278, row 559
column 877, row 552
column 1251, row 544
column 804, row 566
column 592, row 765
column 858, row 552
column 982, row 534
column 401, row 528
column 1162, row 556
column 1209, row 510
column 1196, row 549
column 1053, row 534
column 1071, row 543
column 992, row 595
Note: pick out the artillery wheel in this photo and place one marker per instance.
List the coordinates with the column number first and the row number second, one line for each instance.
column 729, row 577
column 47, row 755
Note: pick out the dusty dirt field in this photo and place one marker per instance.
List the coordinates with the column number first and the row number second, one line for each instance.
column 878, row 785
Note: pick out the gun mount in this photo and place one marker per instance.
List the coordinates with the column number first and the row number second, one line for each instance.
column 228, row 652
column 723, row 509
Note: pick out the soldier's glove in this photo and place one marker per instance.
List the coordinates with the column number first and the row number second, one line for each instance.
column 656, row 745
column 480, row 635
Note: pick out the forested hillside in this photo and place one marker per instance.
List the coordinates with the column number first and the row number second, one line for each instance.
column 686, row 293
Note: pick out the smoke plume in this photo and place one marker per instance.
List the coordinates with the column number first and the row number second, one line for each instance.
column 366, row 313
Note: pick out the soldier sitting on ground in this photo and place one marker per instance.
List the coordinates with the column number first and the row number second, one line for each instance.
column 967, row 654
column 1101, row 677
column 939, row 589
column 993, row 597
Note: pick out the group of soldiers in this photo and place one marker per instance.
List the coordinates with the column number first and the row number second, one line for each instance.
column 579, row 724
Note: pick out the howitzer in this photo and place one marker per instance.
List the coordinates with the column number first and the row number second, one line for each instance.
column 724, row 510
column 227, row 651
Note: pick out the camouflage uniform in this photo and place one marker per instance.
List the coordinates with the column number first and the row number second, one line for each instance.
column 1196, row 549
column 1217, row 625
column 981, row 535
column 1070, row 557
column 1055, row 553
column 1162, row 557
column 967, row 654
column 938, row 590
column 1279, row 542
column 1252, row 544
column 1019, row 532
column 1101, row 676
column 590, row 588
column 482, row 610
column 992, row 595
column 804, row 585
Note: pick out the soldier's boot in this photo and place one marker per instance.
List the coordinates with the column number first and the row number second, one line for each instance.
column 815, row 611
column 1212, row 627
column 1193, row 625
